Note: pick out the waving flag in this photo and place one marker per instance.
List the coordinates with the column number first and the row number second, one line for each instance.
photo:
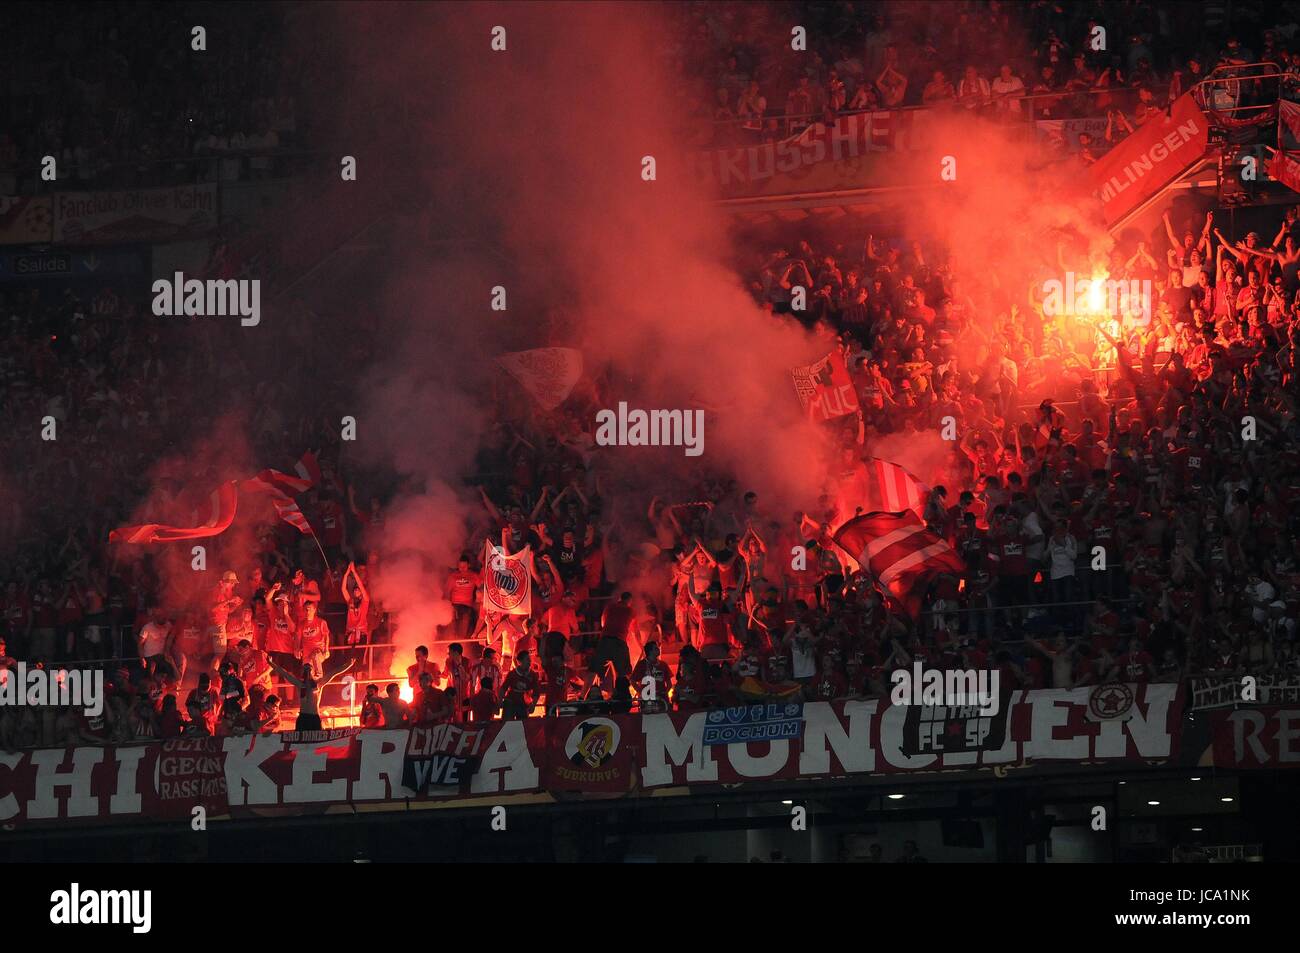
column 289, row 511
column 891, row 488
column 281, row 483
column 283, row 488
column 308, row 469
column 825, row 388
column 546, row 373
column 899, row 552
column 1285, row 169
column 507, row 581
column 1288, row 126
column 224, row 501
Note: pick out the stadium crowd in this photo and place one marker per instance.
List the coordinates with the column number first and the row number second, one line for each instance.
column 746, row 82
column 1174, row 457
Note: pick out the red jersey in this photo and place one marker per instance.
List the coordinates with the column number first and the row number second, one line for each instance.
column 617, row 621
column 69, row 610
column 461, row 586
column 16, row 612
column 331, row 522
column 657, row 670
column 830, row 685
column 413, row 672
column 519, row 687
column 314, row 636
column 429, row 707
column 490, row 671
column 1010, row 550
column 218, row 608
column 191, row 640
column 1133, row 667
column 715, row 622
column 483, row 706
column 461, row 675
column 557, row 679
column 279, row 636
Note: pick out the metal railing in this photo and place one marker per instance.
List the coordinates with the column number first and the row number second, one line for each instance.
column 1220, row 93
column 992, row 102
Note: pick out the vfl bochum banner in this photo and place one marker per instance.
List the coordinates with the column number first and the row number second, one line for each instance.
column 746, row 723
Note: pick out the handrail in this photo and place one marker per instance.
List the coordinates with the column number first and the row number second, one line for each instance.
column 949, row 104
column 1235, row 75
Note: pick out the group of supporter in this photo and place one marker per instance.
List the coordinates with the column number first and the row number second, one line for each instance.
column 748, row 83
column 1117, row 517
column 1144, row 459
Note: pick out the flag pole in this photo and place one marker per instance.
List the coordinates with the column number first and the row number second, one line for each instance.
column 319, row 547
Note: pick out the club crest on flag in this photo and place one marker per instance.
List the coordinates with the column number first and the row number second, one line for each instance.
column 593, row 742
column 507, row 581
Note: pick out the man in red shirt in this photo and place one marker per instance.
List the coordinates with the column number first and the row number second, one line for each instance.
column 462, row 587
column 333, row 536
column 563, row 616
column 716, row 631
column 430, row 706
column 519, row 689
column 1007, row 554
column 556, row 681
column 652, row 671
column 490, row 670
column 1135, row 665
column 460, row 674
column 483, row 704
column 313, row 640
column 221, row 603
column 422, row 667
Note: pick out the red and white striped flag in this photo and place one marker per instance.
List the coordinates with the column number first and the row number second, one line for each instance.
column 223, row 504
column 899, row 552
column 290, row 512
column 279, row 482
column 891, row 488
column 308, row 469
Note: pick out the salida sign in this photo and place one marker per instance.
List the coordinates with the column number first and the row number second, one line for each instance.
column 595, row 756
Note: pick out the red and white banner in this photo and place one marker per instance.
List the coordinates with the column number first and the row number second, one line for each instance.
column 848, row 138
column 289, row 511
column 547, row 373
column 275, row 775
column 825, row 388
column 899, row 552
column 1288, row 126
column 308, row 470
column 891, row 488
column 170, row 214
column 282, row 483
column 1285, row 169
column 1256, row 738
column 283, row 488
column 223, row 505
column 508, row 581
column 1158, row 152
